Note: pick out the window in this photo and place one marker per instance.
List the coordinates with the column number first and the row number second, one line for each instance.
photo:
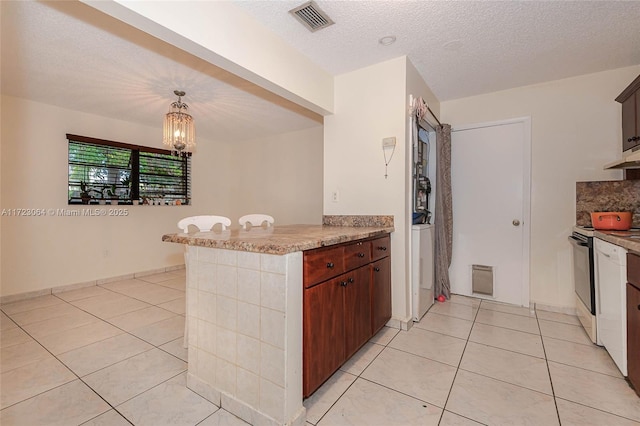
column 123, row 173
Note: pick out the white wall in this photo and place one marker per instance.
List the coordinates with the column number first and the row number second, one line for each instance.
column 371, row 104
column 225, row 35
column 576, row 129
column 44, row 252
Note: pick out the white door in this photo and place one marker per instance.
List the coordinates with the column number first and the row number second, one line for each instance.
column 490, row 179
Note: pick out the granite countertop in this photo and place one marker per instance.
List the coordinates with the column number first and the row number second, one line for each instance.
column 627, row 239
column 278, row 239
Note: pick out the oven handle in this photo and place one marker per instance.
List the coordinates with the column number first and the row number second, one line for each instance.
column 578, row 241
column 598, row 297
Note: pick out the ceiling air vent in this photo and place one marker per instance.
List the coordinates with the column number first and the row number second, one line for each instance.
column 311, row 16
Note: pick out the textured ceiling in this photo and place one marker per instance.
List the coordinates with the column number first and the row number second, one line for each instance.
column 465, row 48
column 69, row 54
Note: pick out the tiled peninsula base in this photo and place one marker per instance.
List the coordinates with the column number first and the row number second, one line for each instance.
column 244, row 313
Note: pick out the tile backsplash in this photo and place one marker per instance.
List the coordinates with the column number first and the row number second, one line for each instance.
column 602, row 196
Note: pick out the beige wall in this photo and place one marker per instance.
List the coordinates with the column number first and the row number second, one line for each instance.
column 575, row 131
column 371, row 104
column 280, row 176
column 44, row 252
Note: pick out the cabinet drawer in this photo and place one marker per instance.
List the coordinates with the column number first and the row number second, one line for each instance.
column 380, row 247
column 357, row 254
column 633, row 269
column 321, row 264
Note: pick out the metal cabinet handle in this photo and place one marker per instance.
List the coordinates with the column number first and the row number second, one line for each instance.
column 330, row 265
column 378, row 270
column 383, row 248
column 360, row 254
column 350, row 280
column 577, row 241
column 343, row 283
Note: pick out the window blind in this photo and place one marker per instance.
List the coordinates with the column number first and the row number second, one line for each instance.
column 124, row 172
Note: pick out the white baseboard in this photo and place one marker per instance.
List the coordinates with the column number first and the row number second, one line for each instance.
column 68, row 287
column 24, row 296
column 568, row 310
column 400, row 324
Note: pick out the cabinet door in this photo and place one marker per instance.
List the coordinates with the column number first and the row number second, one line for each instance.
column 323, row 332
column 633, row 269
column 633, row 336
column 357, row 309
column 629, row 116
column 637, row 96
column 380, row 294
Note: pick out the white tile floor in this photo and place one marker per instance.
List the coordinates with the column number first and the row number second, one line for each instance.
column 103, row 355
column 112, row 355
column 471, row 362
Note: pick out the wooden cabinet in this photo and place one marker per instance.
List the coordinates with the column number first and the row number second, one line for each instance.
column 380, row 293
column 630, row 100
column 380, row 247
column 323, row 328
column 357, row 310
column 322, row 264
column 633, row 320
column 380, row 283
column 347, row 298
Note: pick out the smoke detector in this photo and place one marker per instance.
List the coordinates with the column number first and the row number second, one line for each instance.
column 311, row 16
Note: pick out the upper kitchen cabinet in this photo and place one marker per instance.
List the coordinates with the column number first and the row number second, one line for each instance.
column 630, row 100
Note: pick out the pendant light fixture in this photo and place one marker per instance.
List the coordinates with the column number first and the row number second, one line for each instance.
column 179, row 128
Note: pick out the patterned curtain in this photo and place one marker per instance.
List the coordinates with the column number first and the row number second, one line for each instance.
column 443, row 211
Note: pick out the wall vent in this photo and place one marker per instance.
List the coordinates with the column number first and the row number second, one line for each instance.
column 482, row 279
column 311, row 16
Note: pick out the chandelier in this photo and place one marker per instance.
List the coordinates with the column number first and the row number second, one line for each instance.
column 179, row 128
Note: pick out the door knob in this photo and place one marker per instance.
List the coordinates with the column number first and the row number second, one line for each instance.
column 516, row 222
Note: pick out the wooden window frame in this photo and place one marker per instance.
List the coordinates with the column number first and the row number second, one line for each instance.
column 135, row 172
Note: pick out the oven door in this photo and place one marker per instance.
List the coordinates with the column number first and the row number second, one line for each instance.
column 583, row 270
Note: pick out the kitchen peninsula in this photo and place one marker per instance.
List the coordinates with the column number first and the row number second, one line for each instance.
column 245, row 311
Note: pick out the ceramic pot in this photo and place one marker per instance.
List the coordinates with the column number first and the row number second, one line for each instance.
column 619, row 221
